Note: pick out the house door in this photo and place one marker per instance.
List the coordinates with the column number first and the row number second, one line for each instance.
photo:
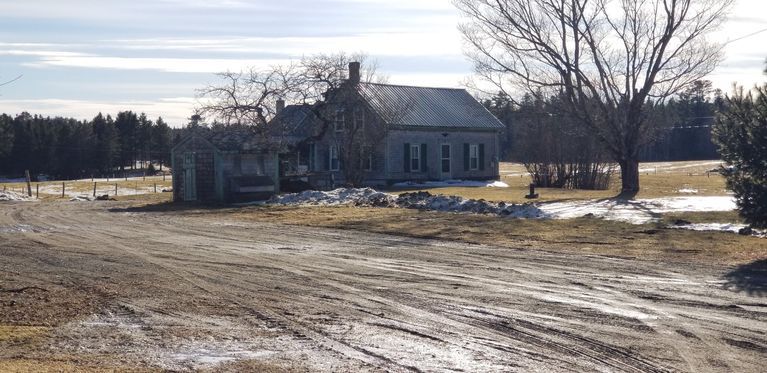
column 445, row 163
column 190, row 178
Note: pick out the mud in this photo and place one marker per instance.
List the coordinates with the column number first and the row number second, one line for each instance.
column 184, row 291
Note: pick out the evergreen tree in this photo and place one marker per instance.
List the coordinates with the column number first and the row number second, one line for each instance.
column 741, row 133
column 127, row 124
column 161, row 141
column 106, row 145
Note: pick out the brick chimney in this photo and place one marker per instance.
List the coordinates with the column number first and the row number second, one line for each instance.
column 280, row 105
column 354, row 72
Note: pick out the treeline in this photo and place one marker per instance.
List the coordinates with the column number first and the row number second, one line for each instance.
column 683, row 126
column 67, row 148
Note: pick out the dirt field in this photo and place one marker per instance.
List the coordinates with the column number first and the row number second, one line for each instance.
column 95, row 286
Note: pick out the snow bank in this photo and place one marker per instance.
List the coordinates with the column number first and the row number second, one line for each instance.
column 340, row 196
column 451, row 183
column 415, row 200
column 12, row 196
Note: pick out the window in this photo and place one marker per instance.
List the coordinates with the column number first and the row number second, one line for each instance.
column 334, row 161
column 340, row 121
column 366, row 158
column 415, row 158
column 445, row 158
column 473, row 157
column 359, row 117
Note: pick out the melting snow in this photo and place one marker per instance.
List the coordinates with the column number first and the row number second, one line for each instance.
column 688, row 191
column 12, row 196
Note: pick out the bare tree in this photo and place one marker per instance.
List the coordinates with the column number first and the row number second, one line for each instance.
column 247, row 98
column 321, row 81
column 610, row 59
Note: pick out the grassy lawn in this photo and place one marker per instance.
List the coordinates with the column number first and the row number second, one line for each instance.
column 582, row 235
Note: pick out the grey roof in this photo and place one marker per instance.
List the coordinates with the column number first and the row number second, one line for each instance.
column 294, row 120
column 238, row 139
column 427, row 107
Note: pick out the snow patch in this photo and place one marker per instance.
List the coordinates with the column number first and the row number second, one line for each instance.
column 719, row 227
column 688, row 191
column 12, row 196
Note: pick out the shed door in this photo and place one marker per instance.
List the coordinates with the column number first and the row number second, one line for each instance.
column 190, row 178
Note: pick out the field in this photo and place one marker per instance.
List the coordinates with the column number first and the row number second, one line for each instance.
column 116, row 187
column 139, row 284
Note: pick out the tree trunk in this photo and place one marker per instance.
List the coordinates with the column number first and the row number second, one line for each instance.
column 629, row 175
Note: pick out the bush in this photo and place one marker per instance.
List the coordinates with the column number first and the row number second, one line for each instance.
column 741, row 134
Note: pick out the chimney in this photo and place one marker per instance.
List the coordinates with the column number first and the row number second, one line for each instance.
column 354, row 72
column 280, row 105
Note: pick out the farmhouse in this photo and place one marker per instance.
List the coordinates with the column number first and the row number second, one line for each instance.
column 379, row 134
column 360, row 134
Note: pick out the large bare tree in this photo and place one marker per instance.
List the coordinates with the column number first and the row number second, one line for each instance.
column 610, row 59
column 250, row 98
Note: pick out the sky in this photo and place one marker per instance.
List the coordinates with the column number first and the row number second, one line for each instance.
column 80, row 57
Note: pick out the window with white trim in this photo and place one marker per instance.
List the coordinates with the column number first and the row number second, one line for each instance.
column 415, row 158
column 334, row 161
column 473, row 157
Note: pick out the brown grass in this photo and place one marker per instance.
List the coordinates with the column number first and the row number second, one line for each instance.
column 583, row 235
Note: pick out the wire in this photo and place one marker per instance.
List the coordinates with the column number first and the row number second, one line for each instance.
column 746, row 36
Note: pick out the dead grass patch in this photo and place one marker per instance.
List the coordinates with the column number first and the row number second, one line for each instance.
column 61, row 366
column 18, row 334
column 583, row 235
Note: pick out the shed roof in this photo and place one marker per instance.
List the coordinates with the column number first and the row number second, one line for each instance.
column 410, row 106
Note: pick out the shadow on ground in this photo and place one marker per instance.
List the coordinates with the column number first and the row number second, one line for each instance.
column 171, row 207
column 750, row 278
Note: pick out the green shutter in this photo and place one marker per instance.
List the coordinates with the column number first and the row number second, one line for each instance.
column 340, row 158
column 465, row 156
column 481, row 157
column 327, row 160
column 423, row 158
column 407, row 157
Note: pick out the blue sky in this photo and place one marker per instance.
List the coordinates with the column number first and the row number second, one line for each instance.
column 79, row 57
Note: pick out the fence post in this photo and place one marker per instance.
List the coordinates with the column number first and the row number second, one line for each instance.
column 29, row 183
column 63, row 188
column 37, row 191
column 94, row 189
column 115, row 189
column 155, row 187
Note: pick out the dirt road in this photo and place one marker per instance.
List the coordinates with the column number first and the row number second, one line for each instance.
column 183, row 291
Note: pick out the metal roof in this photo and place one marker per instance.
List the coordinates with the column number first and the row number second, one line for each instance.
column 427, row 107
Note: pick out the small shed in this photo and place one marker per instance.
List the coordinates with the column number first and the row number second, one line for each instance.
column 224, row 166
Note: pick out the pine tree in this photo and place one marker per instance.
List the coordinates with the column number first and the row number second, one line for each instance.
column 741, row 134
